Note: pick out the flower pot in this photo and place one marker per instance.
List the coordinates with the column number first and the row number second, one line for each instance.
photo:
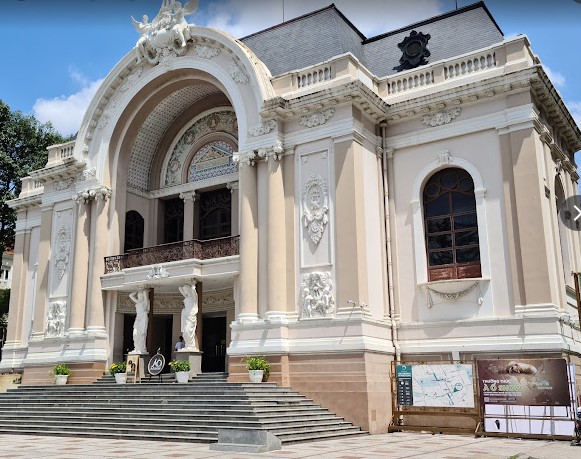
column 256, row 375
column 61, row 380
column 120, row 378
column 182, row 377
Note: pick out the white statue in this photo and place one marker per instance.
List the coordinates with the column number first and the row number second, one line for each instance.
column 189, row 315
column 167, row 28
column 141, row 300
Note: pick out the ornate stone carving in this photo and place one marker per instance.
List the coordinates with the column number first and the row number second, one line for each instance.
column 206, row 51
column 63, row 184
column 166, row 35
column 157, row 272
column 263, row 128
column 88, row 174
column 56, row 316
column 221, row 121
column 131, row 79
column 315, row 207
column 237, row 73
column 441, row 118
column 444, row 158
column 103, row 193
column 316, row 295
column 316, row 119
column 62, row 250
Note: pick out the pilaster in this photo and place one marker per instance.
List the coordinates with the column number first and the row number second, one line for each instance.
column 41, row 294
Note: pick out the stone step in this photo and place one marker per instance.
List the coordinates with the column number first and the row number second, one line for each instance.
column 167, row 411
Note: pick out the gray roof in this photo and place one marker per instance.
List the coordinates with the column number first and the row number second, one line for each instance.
column 325, row 33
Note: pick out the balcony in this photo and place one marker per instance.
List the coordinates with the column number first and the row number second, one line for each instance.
column 177, row 251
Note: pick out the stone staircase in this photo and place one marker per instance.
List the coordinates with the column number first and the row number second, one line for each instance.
column 191, row 412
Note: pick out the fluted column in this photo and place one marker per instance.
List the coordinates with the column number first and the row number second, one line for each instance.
column 41, row 295
column 81, row 265
column 189, row 198
column 100, row 239
column 248, row 284
column 276, row 241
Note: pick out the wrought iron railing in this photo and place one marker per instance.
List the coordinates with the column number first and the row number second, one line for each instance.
column 201, row 250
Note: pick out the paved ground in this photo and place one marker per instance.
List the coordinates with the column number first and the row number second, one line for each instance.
column 395, row 445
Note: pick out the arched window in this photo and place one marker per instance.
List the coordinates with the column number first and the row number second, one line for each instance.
column 563, row 238
column 451, row 226
column 134, row 226
column 216, row 214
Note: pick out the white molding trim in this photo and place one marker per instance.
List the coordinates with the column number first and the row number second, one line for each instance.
column 418, row 214
column 508, row 120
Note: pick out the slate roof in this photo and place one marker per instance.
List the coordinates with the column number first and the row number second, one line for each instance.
column 325, row 33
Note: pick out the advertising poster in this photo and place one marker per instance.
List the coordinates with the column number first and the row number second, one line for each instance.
column 533, row 382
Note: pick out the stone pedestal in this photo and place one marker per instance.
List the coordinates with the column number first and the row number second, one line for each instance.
column 195, row 359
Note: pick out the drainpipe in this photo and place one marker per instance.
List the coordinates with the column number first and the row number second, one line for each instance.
column 388, row 246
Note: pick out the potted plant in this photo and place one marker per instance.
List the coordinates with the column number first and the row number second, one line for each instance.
column 258, row 368
column 119, row 370
column 61, row 374
column 182, row 370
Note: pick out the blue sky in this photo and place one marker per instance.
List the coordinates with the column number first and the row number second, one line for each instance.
column 56, row 52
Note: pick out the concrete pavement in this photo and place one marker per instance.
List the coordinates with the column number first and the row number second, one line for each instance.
column 395, row 445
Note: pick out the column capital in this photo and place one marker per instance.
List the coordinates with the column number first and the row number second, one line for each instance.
column 84, row 197
column 232, row 186
column 189, row 195
column 103, row 193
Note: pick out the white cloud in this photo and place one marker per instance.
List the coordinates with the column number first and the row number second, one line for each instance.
column 66, row 112
column 243, row 18
column 558, row 79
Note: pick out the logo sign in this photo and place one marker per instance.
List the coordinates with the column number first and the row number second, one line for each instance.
column 156, row 364
column 403, row 374
column 532, row 382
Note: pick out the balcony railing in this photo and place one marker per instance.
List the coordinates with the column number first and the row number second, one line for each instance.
column 201, row 250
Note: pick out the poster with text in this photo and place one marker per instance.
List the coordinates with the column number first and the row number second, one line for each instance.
column 533, row 382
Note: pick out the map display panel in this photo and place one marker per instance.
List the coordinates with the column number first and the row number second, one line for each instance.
column 443, row 385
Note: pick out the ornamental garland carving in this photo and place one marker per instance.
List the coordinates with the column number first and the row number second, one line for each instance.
column 63, row 184
column 55, row 321
column 441, row 118
column 62, row 250
column 315, row 207
column 237, row 74
column 206, row 51
column 316, row 119
column 263, row 128
column 316, row 295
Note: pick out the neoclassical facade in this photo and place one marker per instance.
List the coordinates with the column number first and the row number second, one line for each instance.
column 340, row 202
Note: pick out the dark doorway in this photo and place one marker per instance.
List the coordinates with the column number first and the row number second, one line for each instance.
column 173, row 212
column 128, row 320
column 213, row 344
column 162, row 337
column 134, row 227
column 216, row 214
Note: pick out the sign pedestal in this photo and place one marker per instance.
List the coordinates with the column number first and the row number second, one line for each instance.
column 193, row 356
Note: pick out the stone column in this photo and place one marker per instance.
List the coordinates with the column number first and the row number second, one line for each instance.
column 189, row 198
column 100, row 237
column 247, row 310
column 80, row 265
column 235, row 219
column 44, row 249
column 18, row 293
column 276, row 239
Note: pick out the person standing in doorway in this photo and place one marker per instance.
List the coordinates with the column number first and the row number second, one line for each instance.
column 180, row 344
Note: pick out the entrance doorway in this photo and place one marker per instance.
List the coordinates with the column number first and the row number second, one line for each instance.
column 213, row 344
column 161, row 336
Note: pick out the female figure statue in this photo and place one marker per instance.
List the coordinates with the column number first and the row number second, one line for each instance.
column 189, row 315
column 141, row 300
